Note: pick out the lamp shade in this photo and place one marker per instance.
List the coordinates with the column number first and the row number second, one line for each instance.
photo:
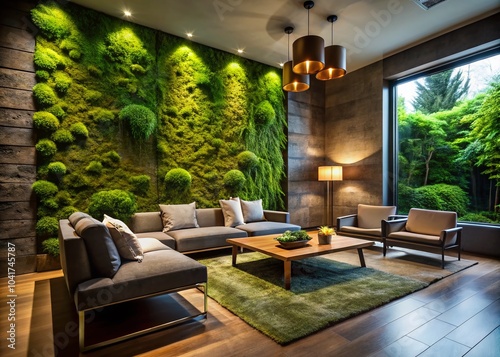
column 293, row 82
column 330, row 173
column 335, row 65
column 308, row 54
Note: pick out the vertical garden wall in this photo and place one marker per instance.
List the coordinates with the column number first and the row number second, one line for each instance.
column 129, row 117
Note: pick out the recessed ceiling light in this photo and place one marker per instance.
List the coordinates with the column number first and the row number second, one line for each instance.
column 281, row 64
column 189, row 34
column 240, row 50
column 127, row 13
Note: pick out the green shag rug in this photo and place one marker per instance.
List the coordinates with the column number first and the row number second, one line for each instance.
column 323, row 292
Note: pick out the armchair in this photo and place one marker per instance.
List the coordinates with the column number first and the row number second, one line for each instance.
column 424, row 229
column 366, row 223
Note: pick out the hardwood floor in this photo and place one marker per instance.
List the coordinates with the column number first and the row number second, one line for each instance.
column 459, row 315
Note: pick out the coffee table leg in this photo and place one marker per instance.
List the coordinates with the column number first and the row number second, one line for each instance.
column 235, row 254
column 361, row 257
column 288, row 273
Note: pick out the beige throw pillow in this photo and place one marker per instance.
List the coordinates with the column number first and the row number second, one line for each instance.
column 125, row 240
column 178, row 216
column 252, row 211
column 231, row 209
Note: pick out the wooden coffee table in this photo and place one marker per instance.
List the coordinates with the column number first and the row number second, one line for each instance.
column 269, row 246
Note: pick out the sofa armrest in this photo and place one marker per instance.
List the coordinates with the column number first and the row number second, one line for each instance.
column 395, row 225
column 397, row 216
column 451, row 236
column 349, row 220
column 277, row 216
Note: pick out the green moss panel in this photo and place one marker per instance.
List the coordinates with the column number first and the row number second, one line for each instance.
column 121, row 105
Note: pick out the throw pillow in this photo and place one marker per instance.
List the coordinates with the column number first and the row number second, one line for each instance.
column 178, row 216
column 102, row 251
column 252, row 211
column 231, row 209
column 125, row 240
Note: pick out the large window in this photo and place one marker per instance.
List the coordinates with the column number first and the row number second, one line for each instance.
column 449, row 140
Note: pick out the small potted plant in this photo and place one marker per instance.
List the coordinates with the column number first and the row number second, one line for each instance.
column 325, row 235
column 293, row 239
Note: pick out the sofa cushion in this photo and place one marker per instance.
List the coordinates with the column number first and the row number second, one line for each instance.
column 161, row 270
column 103, row 254
column 252, row 211
column 125, row 240
column 231, row 209
column 178, row 216
column 162, row 237
column 151, row 244
column 430, row 222
column 204, row 237
column 267, row 227
column 371, row 216
column 146, row 222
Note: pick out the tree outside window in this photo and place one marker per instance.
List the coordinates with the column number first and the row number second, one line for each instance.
column 449, row 146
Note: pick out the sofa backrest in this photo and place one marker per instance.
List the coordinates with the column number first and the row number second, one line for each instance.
column 372, row 216
column 209, row 217
column 143, row 222
column 430, row 221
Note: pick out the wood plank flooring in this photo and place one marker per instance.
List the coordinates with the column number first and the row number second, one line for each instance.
column 457, row 316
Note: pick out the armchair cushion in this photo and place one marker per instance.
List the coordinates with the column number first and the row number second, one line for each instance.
column 370, row 216
column 430, row 222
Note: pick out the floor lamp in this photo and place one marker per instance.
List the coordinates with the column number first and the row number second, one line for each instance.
column 329, row 174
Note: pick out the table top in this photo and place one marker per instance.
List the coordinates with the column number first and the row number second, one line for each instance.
column 268, row 245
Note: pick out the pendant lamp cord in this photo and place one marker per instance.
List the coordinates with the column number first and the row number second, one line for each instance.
column 332, row 32
column 288, row 49
column 307, row 22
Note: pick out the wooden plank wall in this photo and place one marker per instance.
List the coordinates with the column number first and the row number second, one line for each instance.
column 17, row 136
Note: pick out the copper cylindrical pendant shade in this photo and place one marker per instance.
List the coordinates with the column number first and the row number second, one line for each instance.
column 293, row 82
column 308, row 54
column 335, row 66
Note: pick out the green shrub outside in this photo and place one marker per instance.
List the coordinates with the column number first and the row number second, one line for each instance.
column 47, row 226
column 79, row 130
column 51, row 246
column 44, row 95
column 178, row 179
column 264, row 113
column 45, row 121
column 57, row 168
column 476, row 217
column 141, row 119
column 44, row 189
column 46, row 147
column 63, row 136
column 115, row 203
column 440, row 197
column 247, row 160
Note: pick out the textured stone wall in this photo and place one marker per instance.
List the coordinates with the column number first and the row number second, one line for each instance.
column 306, row 146
column 354, row 130
column 17, row 138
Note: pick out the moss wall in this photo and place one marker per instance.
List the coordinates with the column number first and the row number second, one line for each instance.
column 120, row 106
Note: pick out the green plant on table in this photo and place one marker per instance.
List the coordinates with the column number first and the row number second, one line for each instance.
column 290, row 236
column 326, row 231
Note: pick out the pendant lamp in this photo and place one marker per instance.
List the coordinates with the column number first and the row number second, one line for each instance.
column 293, row 82
column 308, row 51
column 335, row 56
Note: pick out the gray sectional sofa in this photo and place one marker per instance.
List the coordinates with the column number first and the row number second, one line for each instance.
column 211, row 233
column 97, row 276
